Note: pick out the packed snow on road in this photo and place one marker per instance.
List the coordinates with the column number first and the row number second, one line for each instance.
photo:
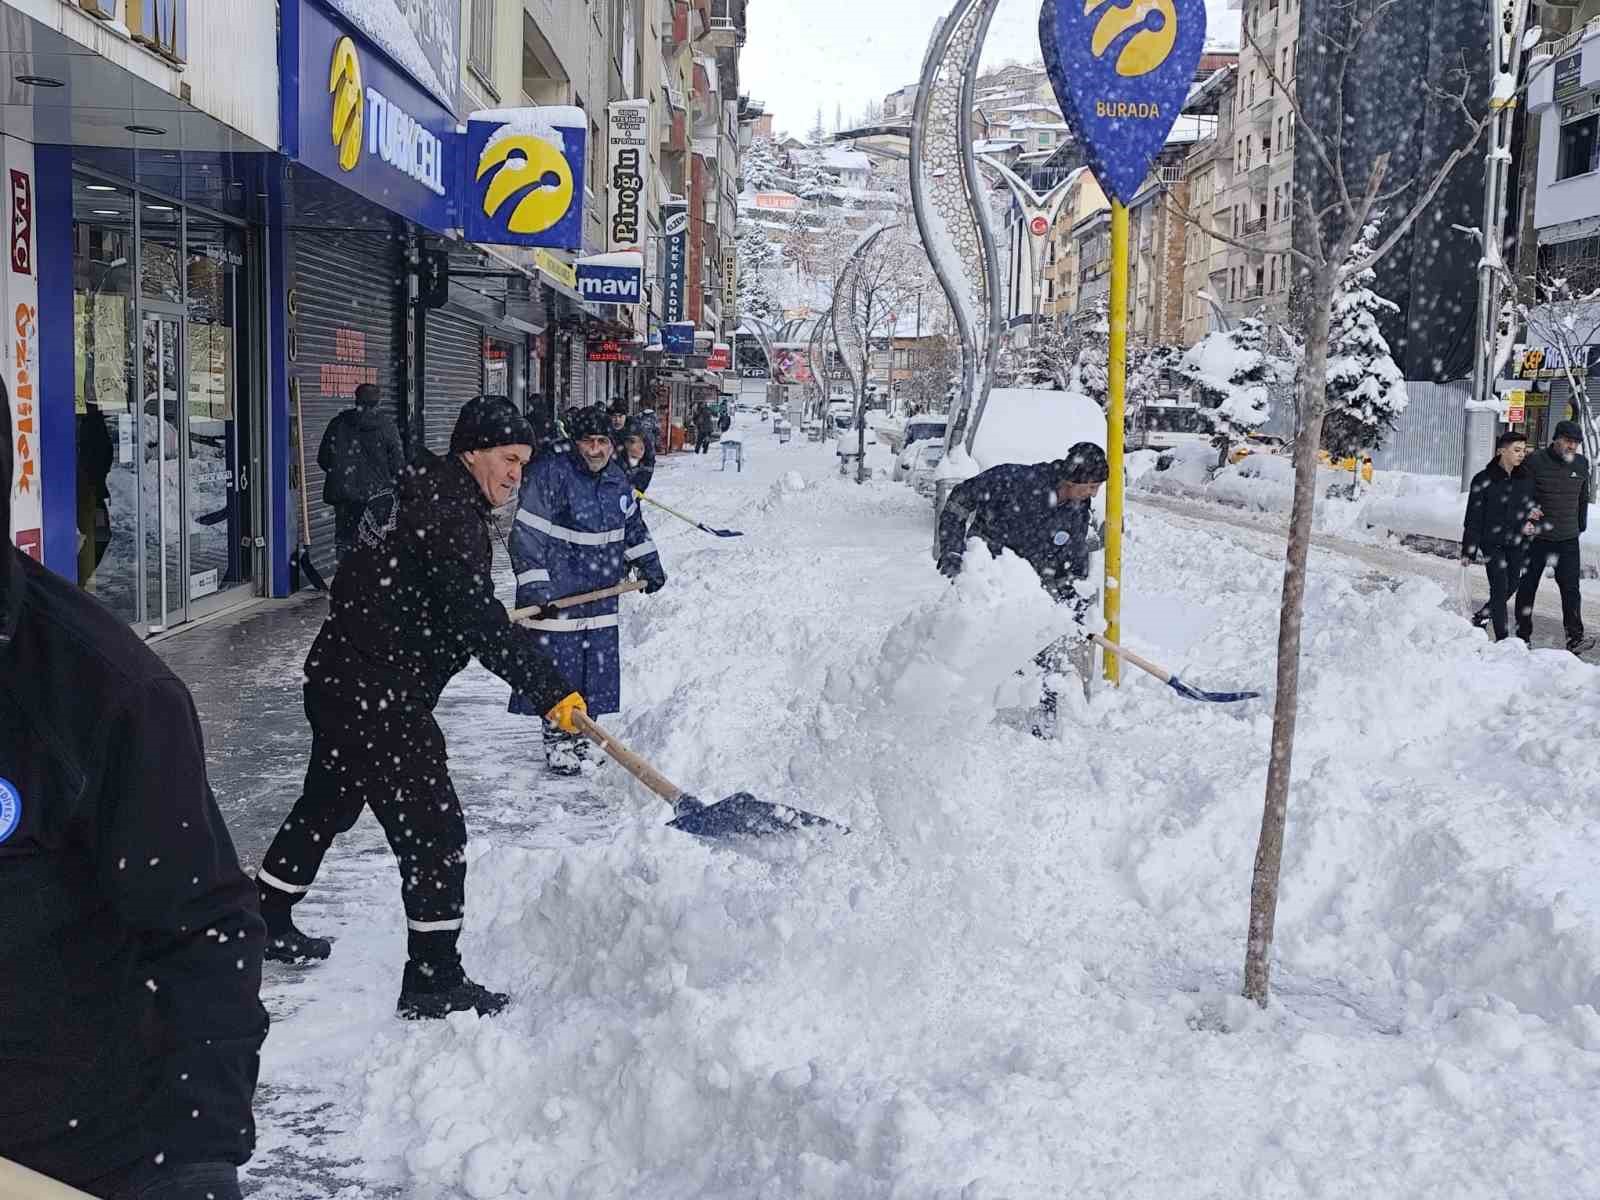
column 1017, row 974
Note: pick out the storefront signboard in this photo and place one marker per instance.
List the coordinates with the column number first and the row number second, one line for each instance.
column 20, row 320
column 526, row 181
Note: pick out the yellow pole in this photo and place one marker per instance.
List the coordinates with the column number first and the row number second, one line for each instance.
column 1116, row 405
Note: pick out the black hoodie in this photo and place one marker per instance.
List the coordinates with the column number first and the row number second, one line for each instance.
column 362, row 456
column 130, row 945
column 1499, row 506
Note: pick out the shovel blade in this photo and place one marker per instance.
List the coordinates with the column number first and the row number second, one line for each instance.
column 742, row 816
column 722, row 533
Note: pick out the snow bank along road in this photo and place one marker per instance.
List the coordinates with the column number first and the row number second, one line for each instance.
column 1016, row 977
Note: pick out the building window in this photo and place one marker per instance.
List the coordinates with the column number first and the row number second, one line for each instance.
column 1580, row 148
column 480, row 45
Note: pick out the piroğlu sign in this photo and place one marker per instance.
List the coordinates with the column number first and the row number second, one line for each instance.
column 627, row 154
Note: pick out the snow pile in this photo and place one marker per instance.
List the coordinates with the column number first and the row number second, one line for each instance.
column 550, row 122
column 400, row 35
column 1434, row 506
column 1023, row 425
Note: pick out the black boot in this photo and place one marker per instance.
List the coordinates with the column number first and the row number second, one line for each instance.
column 1580, row 645
column 285, row 943
column 431, row 991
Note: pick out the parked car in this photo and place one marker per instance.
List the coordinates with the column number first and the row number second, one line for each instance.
column 905, row 461
column 917, row 429
column 1257, row 443
column 925, row 465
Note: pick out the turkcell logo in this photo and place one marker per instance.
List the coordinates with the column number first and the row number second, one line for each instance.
column 527, row 178
column 10, row 809
column 392, row 135
column 532, row 172
column 1137, row 38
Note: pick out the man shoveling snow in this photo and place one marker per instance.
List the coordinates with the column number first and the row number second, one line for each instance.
column 1044, row 515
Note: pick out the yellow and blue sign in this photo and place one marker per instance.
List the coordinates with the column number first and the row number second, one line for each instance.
column 1122, row 70
column 525, row 187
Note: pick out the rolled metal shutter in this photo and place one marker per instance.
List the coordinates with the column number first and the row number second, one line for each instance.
column 347, row 329
column 452, row 374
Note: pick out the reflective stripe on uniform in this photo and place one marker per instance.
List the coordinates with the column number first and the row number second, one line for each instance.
column 537, row 575
column 433, row 926
column 576, row 536
column 294, row 889
column 573, row 624
column 639, row 551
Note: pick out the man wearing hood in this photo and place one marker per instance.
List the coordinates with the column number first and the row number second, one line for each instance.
column 361, row 458
column 413, row 605
column 1563, row 491
column 130, row 943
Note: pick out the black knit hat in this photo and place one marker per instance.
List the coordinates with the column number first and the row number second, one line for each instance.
column 489, row 421
column 592, row 421
column 1568, row 429
column 619, row 407
column 1085, row 463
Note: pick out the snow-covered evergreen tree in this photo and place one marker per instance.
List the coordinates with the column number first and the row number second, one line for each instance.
column 1148, row 368
column 758, row 260
column 761, row 166
column 1233, row 373
column 1366, row 391
column 1090, row 370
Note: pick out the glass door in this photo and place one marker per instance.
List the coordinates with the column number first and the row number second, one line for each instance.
column 163, row 441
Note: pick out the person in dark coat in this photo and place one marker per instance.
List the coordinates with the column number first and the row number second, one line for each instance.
column 413, row 605
column 619, row 421
column 705, row 427
column 361, row 457
column 580, row 529
column 637, row 453
column 1563, row 491
column 130, row 943
column 1043, row 514
column 1500, row 524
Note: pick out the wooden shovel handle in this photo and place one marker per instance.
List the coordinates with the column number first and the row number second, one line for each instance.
column 1122, row 652
column 622, row 589
column 17, row 1182
column 631, row 762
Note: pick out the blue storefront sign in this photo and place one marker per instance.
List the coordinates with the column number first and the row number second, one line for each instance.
column 675, row 261
column 612, row 279
column 351, row 115
column 1122, row 70
column 678, row 337
column 524, row 184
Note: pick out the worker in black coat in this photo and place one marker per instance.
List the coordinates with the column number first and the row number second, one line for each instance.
column 1501, row 520
column 636, row 453
column 130, row 944
column 412, row 606
column 1044, row 515
column 1564, row 491
column 362, row 457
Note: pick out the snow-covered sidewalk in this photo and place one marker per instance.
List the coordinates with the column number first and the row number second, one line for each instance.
column 1016, row 977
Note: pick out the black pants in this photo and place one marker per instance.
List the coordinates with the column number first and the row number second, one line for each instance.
column 702, row 443
column 1504, row 566
column 391, row 760
column 1565, row 556
column 181, row 1181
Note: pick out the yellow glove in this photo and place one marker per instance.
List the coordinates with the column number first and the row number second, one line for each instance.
column 561, row 715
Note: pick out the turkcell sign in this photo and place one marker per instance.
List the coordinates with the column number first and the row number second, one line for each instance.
column 612, row 279
column 353, row 116
column 1122, row 70
column 674, row 261
column 525, row 179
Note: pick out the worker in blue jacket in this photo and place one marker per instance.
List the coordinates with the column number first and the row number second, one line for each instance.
column 579, row 529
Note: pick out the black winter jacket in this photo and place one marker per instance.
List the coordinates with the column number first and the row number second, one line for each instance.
column 414, row 604
column 1498, row 507
column 1563, row 490
column 641, row 473
column 362, row 456
column 1015, row 507
column 130, row 941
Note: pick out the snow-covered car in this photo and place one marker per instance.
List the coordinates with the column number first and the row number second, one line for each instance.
column 918, row 429
column 906, row 459
column 1184, row 468
column 927, row 456
column 1257, row 443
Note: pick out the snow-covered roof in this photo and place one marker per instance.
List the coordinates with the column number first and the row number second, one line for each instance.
column 1190, row 128
column 996, row 146
column 1031, row 126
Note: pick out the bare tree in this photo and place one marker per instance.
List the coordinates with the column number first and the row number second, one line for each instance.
column 1323, row 255
column 1568, row 321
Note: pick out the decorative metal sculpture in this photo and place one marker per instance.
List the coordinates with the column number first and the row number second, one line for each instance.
column 848, row 335
column 947, row 196
column 1039, row 215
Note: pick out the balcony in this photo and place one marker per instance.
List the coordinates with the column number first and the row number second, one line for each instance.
column 727, row 28
column 1254, row 228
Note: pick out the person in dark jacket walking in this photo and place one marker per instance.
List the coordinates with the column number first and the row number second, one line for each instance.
column 705, row 427
column 1563, row 491
column 619, row 421
column 1044, row 515
column 361, row 457
column 637, row 454
column 1500, row 523
column 414, row 604
column 130, row 944
column 579, row 529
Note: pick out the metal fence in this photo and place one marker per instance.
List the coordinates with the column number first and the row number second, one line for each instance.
column 1427, row 439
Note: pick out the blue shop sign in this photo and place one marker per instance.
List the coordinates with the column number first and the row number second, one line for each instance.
column 612, row 278
column 351, row 115
column 678, row 337
column 674, row 260
column 525, row 185
column 1122, row 71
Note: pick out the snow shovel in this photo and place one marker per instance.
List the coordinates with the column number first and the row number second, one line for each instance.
column 307, row 567
column 722, row 533
column 547, row 611
column 740, row 815
column 1168, row 678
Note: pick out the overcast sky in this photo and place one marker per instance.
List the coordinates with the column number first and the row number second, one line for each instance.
column 832, row 52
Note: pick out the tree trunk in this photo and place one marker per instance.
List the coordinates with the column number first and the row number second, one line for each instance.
column 1269, row 850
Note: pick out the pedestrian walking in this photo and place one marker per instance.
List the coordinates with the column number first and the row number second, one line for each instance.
column 638, row 453
column 130, row 942
column 361, row 458
column 579, row 529
column 414, row 604
column 1044, row 515
column 619, row 421
column 1563, row 491
column 705, row 427
column 1501, row 521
